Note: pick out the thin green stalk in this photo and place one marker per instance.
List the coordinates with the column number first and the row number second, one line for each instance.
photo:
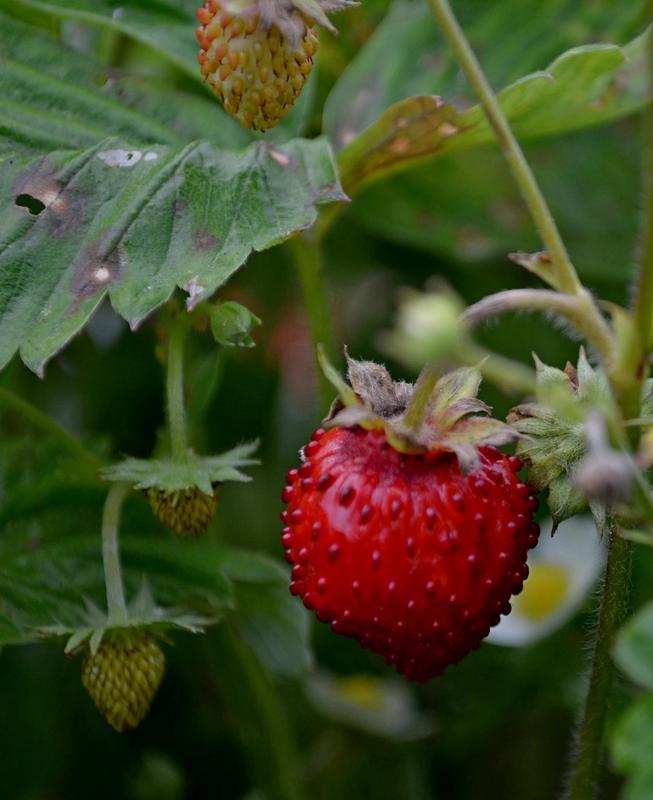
column 584, row 781
column 40, row 420
column 564, row 276
column 306, row 252
column 574, row 309
column 258, row 715
column 175, row 390
column 116, row 604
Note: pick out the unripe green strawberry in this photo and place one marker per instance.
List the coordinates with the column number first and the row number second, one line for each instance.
column 257, row 70
column 186, row 512
column 123, row 676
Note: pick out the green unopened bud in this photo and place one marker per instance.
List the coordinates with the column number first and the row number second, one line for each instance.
column 232, row 324
column 428, row 328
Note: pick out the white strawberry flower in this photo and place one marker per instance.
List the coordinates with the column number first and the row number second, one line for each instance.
column 380, row 706
column 563, row 570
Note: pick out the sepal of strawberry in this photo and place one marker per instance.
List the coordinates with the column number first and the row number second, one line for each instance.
column 455, row 420
column 142, row 614
column 555, row 433
column 182, row 493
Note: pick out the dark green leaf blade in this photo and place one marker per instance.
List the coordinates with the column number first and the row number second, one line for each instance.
column 136, row 223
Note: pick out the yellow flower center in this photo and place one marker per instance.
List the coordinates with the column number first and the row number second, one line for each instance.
column 361, row 690
column 544, row 591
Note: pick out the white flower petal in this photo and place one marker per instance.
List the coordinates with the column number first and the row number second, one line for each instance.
column 574, row 558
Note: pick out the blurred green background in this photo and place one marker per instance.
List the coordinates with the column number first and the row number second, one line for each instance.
column 498, row 725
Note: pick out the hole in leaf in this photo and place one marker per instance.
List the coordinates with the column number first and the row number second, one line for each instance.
column 32, row 204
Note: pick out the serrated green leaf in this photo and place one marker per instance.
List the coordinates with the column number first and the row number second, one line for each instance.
column 134, row 224
column 170, row 476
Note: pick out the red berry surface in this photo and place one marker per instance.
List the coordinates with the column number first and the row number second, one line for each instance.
column 406, row 553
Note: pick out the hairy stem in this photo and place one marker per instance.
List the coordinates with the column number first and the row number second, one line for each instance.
column 574, row 309
column 563, row 275
column 175, row 391
column 512, row 377
column 307, row 256
column 259, row 717
column 40, row 420
column 116, row 604
column 584, row 779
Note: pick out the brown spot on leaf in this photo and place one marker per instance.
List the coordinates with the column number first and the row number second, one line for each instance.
column 95, row 269
column 203, row 240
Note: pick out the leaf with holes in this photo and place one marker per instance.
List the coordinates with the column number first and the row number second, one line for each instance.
column 134, row 224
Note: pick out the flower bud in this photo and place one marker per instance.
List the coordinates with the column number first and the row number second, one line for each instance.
column 603, row 475
column 428, row 328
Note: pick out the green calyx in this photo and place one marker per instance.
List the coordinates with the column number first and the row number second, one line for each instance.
column 553, row 430
column 143, row 615
column 193, row 471
column 437, row 413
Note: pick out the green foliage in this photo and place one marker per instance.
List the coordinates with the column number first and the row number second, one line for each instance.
column 585, row 86
column 134, row 215
column 633, row 736
column 121, row 180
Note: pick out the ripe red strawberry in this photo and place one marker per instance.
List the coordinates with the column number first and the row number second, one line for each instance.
column 405, row 552
column 256, row 67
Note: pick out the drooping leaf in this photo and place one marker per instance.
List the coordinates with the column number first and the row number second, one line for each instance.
column 408, row 55
column 585, row 86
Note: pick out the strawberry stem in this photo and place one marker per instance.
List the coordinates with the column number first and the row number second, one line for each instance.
column 591, row 731
column 175, row 390
column 563, row 276
column 116, row 604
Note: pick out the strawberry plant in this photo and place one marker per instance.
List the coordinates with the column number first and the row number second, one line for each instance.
column 204, row 214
